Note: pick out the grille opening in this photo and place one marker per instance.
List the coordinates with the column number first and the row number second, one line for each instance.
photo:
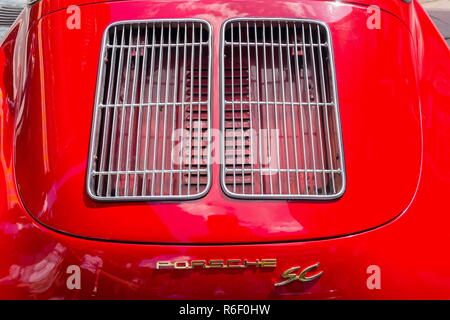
column 277, row 75
column 153, row 97
column 9, row 13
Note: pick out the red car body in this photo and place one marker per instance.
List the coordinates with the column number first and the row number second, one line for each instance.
column 394, row 96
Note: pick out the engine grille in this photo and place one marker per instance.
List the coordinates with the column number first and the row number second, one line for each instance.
column 9, row 13
column 150, row 128
column 279, row 111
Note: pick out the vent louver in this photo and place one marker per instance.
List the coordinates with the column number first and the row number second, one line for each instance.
column 280, row 111
column 153, row 99
column 9, row 13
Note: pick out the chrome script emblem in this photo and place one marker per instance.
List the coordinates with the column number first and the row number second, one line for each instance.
column 302, row 275
column 216, row 264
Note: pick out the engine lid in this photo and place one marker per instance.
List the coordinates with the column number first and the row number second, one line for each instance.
column 380, row 121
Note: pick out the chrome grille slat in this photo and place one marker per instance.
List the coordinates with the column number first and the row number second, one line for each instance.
column 233, row 111
column 123, row 113
column 183, row 99
column 115, row 116
column 131, row 122
column 252, row 157
column 317, row 108
column 159, row 46
column 140, row 105
column 289, row 170
column 266, row 100
column 242, row 111
column 270, row 45
column 297, row 73
column 163, row 163
column 258, row 108
column 200, row 72
column 141, row 91
column 104, row 134
column 174, row 99
column 157, row 116
column 275, row 93
column 280, row 57
column 300, row 96
column 190, row 114
column 292, row 110
column 149, row 114
column 324, row 95
column 308, row 97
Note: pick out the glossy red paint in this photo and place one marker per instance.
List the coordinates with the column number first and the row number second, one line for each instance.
column 397, row 7
column 52, row 141
column 410, row 249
